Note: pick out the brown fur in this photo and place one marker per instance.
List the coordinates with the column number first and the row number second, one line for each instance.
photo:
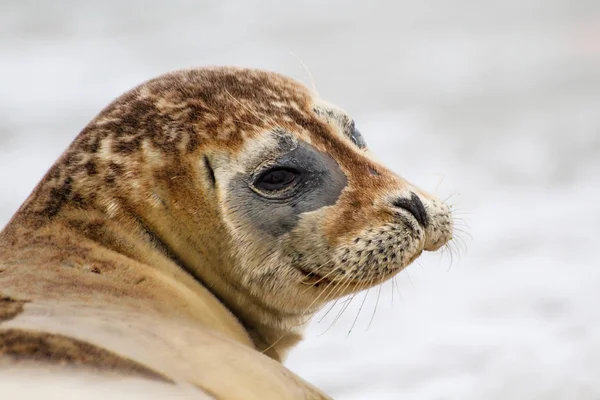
column 20, row 346
column 134, row 223
column 10, row 308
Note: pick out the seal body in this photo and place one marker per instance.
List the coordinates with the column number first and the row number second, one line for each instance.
column 194, row 226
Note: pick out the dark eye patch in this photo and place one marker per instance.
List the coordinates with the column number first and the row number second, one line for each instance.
column 319, row 184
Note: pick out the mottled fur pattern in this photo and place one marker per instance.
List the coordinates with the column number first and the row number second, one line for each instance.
column 138, row 221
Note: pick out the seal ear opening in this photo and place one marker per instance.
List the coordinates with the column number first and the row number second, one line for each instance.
column 210, row 172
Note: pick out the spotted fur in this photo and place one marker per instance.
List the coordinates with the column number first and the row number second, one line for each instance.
column 148, row 232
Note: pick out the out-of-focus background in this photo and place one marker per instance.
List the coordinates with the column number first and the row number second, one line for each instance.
column 496, row 103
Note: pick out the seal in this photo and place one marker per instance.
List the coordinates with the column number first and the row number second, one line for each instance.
column 194, row 226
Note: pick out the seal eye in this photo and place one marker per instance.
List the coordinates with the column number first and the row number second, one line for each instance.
column 276, row 179
column 356, row 137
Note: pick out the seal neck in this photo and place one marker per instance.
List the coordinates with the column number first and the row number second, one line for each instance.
column 116, row 255
column 149, row 238
column 268, row 338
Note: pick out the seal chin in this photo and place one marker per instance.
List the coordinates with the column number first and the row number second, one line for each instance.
column 436, row 245
column 336, row 277
column 413, row 258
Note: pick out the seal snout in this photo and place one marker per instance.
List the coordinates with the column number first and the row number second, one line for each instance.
column 414, row 206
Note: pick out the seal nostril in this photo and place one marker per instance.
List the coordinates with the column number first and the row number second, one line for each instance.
column 415, row 206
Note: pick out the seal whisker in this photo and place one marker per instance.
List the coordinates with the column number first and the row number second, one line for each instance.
column 410, row 280
column 460, row 231
column 315, row 300
column 375, row 308
column 344, row 283
column 338, row 288
column 455, row 211
column 287, row 331
column 331, row 295
column 310, row 76
column 345, row 306
column 393, row 283
column 460, row 242
column 358, row 312
column 450, row 248
column 395, row 287
column 449, row 197
column 331, row 306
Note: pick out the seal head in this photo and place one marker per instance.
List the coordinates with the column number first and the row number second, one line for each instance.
column 245, row 179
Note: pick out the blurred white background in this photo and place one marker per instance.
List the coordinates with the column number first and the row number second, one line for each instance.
column 494, row 102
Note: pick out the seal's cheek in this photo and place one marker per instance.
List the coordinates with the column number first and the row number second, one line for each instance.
column 320, row 184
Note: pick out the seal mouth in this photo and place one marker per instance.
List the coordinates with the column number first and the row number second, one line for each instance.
column 316, row 280
column 312, row 279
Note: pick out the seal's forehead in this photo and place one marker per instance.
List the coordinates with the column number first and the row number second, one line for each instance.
column 221, row 106
column 232, row 90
